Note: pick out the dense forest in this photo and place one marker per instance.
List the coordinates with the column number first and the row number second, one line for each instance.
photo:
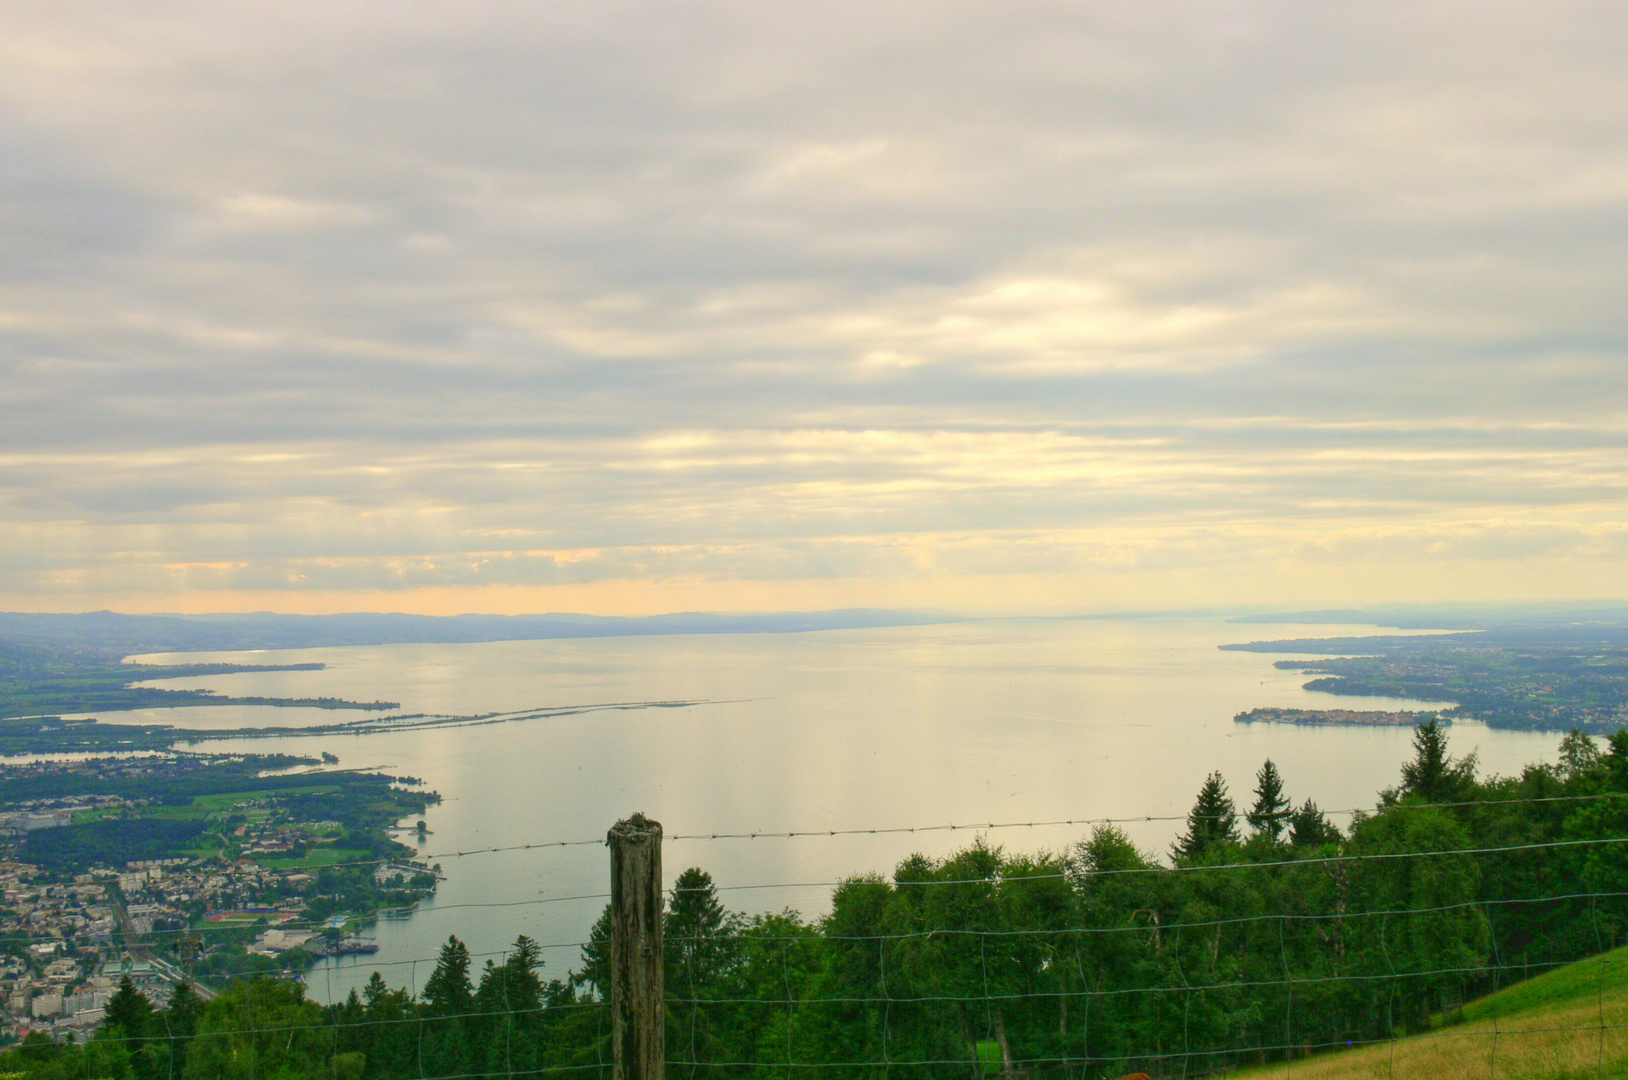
column 1268, row 931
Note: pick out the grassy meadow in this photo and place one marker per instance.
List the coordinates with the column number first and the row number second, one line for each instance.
column 1567, row 1024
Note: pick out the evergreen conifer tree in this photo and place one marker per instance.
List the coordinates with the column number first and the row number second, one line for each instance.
column 596, row 958
column 1309, row 828
column 179, row 1022
column 1616, row 760
column 447, row 992
column 375, row 991
column 184, row 1011
column 1435, row 775
column 130, row 1010
column 449, row 997
column 696, row 930
column 699, row 937
column 388, row 1054
column 1211, row 823
column 1271, row 811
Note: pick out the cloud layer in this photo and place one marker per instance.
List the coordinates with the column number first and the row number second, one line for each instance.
column 517, row 306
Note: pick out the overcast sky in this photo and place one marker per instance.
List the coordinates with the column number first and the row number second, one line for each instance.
column 629, row 308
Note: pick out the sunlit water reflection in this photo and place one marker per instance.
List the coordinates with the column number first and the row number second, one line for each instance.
column 970, row 722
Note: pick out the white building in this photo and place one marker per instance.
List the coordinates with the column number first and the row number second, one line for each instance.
column 276, row 941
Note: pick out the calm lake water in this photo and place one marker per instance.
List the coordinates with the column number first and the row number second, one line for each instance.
column 1008, row 721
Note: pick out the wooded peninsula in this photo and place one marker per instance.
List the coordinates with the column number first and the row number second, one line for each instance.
column 1541, row 677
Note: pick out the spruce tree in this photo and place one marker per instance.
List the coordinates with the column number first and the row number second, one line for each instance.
column 596, row 958
column 376, row 991
column 185, row 1010
column 699, row 932
column 130, row 1010
column 447, row 991
column 700, row 940
column 179, row 1021
column 1435, row 775
column 1308, row 827
column 1270, row 813
column 449, row 997
column 1211, row 823
column 1616, row 760
column 388, row 1054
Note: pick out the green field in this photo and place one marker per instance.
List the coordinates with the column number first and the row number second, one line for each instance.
column 1567, row 1024
column 227, row 801
column 194, row 804
column 204, row 807
column 318, row 858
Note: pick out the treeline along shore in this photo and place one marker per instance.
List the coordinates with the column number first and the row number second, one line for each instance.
column 1266, row 931
column 51, row 680
column 1335, row 717
column 61, row 664
column 1540, row 677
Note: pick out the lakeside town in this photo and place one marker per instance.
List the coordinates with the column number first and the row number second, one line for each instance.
column 244, row 882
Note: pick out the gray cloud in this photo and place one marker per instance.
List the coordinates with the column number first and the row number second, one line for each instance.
column 322, row 297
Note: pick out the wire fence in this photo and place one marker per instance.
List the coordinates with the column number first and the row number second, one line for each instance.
column 419, row 1030
column 951, row 972
column 759, row 935
column 901, row 830
column 1201, row 869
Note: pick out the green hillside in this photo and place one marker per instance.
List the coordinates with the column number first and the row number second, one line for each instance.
column 1567, row 1024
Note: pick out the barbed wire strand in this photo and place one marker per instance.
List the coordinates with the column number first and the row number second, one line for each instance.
column 1077, row 932
column 1354, row 1044
column 1423, row 1036
column 1183, row 988
column 934, row 882
column 1602, row 961
column 1280, row 917
column 407, row 860
column 1187, row 989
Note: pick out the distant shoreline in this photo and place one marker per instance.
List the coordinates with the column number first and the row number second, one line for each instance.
column 1338, row 717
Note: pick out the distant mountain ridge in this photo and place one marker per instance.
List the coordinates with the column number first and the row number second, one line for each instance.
column 1465, row 616
column 107, row 632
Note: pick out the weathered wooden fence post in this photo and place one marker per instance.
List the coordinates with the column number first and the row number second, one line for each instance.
column 637, row 1010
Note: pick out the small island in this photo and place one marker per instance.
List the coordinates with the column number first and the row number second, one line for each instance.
column 1336, row 717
